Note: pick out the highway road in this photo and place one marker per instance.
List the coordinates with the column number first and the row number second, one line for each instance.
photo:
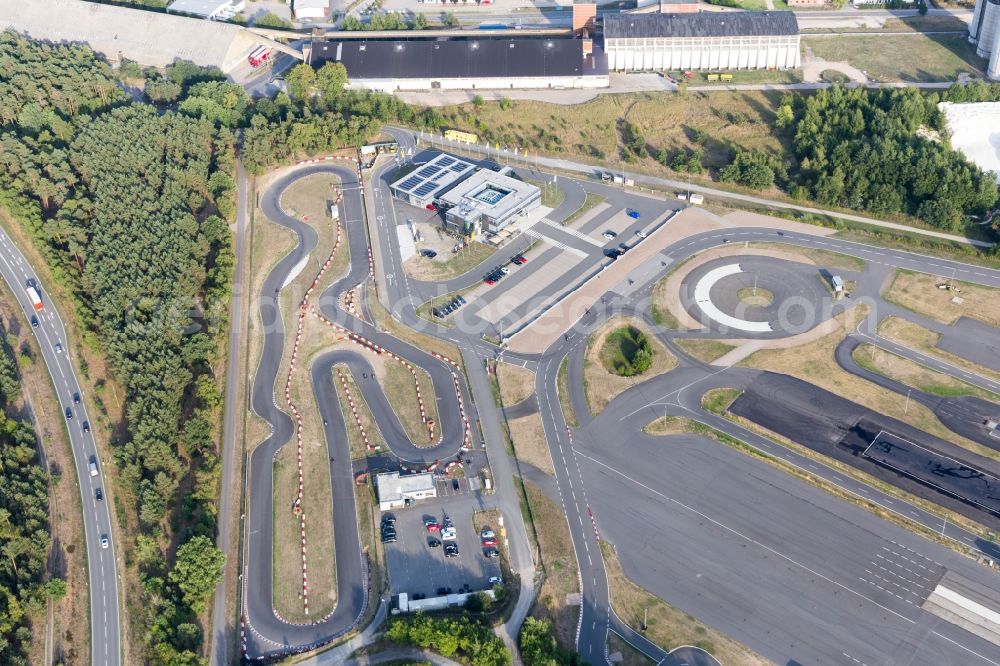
column 105, row 638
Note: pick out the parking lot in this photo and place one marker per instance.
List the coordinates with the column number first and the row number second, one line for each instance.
column 417, row 568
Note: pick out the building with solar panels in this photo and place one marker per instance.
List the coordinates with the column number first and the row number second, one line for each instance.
column 487, row 202
column 421, row 187
column 465, row 64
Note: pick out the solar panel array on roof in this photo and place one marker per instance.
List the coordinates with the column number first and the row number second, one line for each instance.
column 436, row 175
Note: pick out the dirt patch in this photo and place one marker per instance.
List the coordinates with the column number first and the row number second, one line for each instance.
column 621, row 652
column 516, row 383
column 921, row 293
column 558, row 564
column 814, row 362
column 667, row 626
column 907, row 333
column 913, row 374
column 601, row 386
column 528, row 437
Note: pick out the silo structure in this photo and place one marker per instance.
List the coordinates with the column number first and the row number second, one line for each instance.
column 977, row 16
column 993, row 71
column 989, row 28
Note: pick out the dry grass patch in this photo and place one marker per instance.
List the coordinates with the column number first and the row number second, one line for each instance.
column 401, row 392
column 622, row 652
column 558, row 564
column 450, row 265
column 528, row 437
column 428, row 343
column 309, row 198
column 913, row 374
column 601, row 385
column 920, row 292
column 516, row 383
column 358, row 448
column 905, row 332
column 814, row 362
column 901, row 57
column 704, row 350
column 562, row 386
column 669, row 121
column 667, row 626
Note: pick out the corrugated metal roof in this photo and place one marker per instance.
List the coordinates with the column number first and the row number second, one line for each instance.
column 702, row 24
column 467, row 59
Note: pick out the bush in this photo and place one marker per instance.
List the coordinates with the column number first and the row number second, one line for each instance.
column 627, row 352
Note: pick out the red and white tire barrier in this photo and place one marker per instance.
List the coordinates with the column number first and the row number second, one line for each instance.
column 442, row 357
column 328, row 158
column 371, row 447
column 297, row 507
column 593, row 521
column 371, row 264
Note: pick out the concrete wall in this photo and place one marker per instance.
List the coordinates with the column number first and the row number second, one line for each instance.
column 720, row 53
column 393, row 85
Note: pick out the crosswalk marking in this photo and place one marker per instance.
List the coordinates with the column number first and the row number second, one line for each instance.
column 531, row 233
column 573, row 232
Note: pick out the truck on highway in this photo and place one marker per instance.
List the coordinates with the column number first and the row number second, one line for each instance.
column 93, row 465
column 36, row 300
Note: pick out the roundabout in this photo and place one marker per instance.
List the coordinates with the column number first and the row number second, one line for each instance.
column 755, row 296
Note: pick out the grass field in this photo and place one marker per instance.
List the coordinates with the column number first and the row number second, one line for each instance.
column 923, row 58
column 703, row 349
column 552, row 194
column 564, row 402
column 558, row 564
column 516, row 383
column 920, row 292
column 601, row 385
column 915, row 375
column 402, row 395
column 667, row 626
column 670, row 121
column 358, row 449
column 426, row 342
column 309, row 197
column 444, row 267
column 528, row 438
column 630, row 656
column 813, row 362
column 913, row 335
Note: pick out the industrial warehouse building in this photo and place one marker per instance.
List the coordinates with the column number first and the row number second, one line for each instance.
column 311, row 9
column 984, row 32
column 487, row 201
column 465, row 64
column 395, row 491
column 420, row 188
column 702, row 41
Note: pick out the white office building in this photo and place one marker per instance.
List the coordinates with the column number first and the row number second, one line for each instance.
column 395, row 491
column 702, row 41
column 487, row 201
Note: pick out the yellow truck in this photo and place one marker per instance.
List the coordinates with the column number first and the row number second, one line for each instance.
column 459, row 135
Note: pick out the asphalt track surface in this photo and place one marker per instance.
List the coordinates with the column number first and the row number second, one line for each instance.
column 105, row 640
column 595, row 482
column 268, row 635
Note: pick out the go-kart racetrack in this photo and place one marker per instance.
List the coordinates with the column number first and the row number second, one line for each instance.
column 267, row 635
column 595, row 483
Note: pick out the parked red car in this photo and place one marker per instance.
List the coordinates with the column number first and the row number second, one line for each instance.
column 433, row 527
column 489, row 542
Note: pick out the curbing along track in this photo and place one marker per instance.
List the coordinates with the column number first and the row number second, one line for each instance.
column 264, row 635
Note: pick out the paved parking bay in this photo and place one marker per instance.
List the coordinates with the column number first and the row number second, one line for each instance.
column 416, row 568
